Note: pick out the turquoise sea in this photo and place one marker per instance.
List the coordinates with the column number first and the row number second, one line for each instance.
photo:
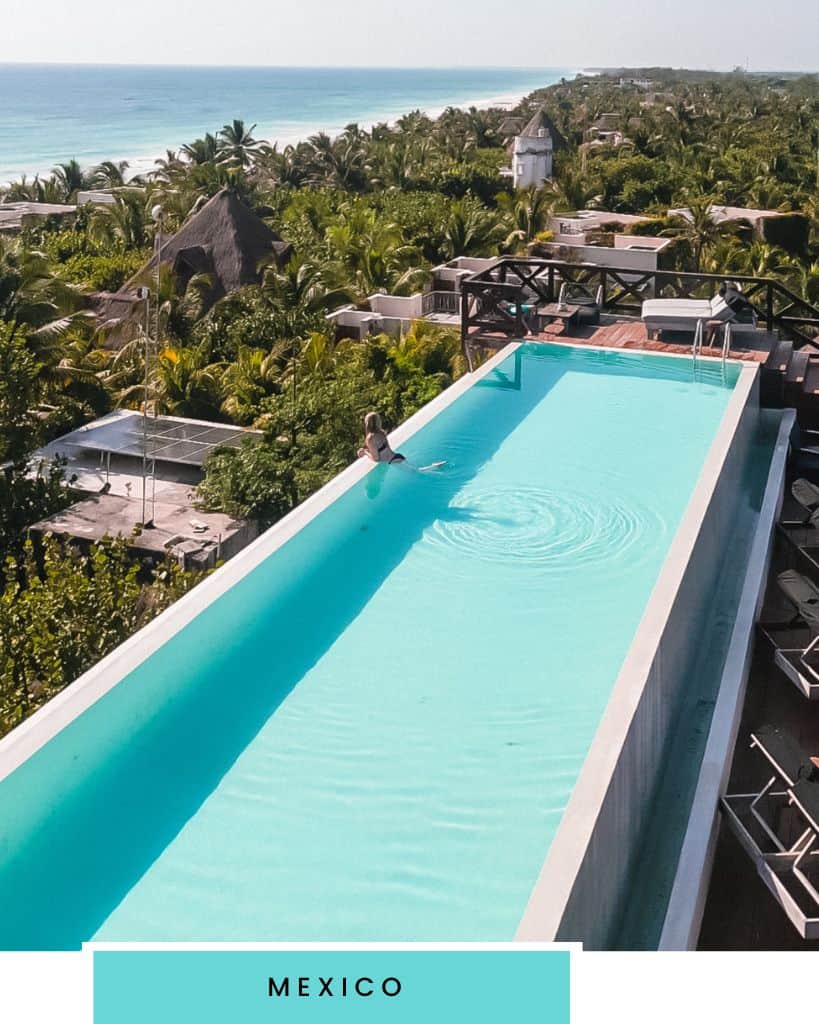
column 51, row 113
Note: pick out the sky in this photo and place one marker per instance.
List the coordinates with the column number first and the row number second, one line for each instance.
column 764, row 34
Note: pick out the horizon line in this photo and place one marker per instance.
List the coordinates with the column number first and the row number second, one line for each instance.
column 571, row 69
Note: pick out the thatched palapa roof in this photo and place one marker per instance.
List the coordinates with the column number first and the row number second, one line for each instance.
column 542, row 122
column 224, row 239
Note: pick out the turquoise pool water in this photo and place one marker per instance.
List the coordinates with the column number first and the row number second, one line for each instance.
column 375, row 733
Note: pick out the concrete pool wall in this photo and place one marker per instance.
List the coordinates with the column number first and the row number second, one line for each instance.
column 583, row 884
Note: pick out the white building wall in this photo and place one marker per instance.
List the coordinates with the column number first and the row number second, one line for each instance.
column 532, row 160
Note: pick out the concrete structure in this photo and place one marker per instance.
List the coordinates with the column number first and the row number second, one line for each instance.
column 629, row 252
column 16, row 216
column 533, row 152
column 584, row 884
column 586, row 875
column 532, row 159
column 788, row 229
column 439, row 303
column 104, row 463
column 577, row 228
column 98, row 197
column 732, row 215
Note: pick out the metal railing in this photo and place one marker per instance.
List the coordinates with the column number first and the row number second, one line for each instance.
column 441, row 302
column 699, row 334
column 726, row 343
column 493, row 297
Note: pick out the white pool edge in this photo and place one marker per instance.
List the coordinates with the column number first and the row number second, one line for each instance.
column 32, row 734
column 687, row 901
column 549, row 900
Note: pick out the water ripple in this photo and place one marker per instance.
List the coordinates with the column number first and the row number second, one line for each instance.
column 551, row 531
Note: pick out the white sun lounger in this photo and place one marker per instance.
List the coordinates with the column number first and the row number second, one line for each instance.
column 684, row 314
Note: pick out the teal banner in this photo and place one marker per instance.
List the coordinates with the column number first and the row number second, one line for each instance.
column 239, row 987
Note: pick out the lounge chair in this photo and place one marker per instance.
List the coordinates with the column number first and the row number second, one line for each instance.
column 805, row 798
column 785, row 755
column 778, row 827
column 795, row 642
column 803, row 594
column 807, row 495
column 588, row 300
column 683, row 315
column 801, row 531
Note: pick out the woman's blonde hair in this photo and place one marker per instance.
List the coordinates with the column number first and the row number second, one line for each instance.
column 372, row 422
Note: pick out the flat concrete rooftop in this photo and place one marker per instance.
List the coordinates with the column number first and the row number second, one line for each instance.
column 196, row 539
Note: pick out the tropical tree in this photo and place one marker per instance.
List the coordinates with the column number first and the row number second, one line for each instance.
column 71, row 179
column 524, row 216
column 699, row 227
column 470, row 230
column 109, row 174
column 237, row 146
column 186, row 385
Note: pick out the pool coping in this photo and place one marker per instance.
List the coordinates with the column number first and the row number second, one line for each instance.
column 553, row 889
column 31, row 735
column 686, row 903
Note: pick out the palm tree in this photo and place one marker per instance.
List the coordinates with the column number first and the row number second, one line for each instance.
column 370, row 253
column 248, row 380
column 30, row 293
column 699, row 227
column 300, row 294
column 109, row 174
column 237, row 146
column 203, row 150
column 186, row 386
column 469, row 231
column 126, row 220
column 70, row 179
column 525, row 215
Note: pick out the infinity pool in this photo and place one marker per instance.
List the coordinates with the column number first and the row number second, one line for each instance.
column 374, row 734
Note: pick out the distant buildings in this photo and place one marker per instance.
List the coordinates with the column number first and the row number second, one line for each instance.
column 533, row 149
column 787, row 229
column 16, row 216
column 598, row 237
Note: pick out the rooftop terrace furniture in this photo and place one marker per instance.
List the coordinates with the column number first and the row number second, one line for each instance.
column 589, row 301
column 784, row 754
column 790, row 764
column 807, row 495
column 803, row 594
column 684, row 314
column 778, row 827
column 805, row 453
column 795, row 643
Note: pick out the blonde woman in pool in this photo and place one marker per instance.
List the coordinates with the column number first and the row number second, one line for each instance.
column 377, row 446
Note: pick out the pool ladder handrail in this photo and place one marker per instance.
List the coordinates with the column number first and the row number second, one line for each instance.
column 726, row 349
column 699, row 334
column 726, row 343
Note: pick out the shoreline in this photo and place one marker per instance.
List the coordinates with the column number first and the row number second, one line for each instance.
column 143, row 163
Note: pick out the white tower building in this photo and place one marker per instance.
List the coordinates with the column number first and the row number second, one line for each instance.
column 533, row 152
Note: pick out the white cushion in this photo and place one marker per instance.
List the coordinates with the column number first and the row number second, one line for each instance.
column 675, row 309
column 720, row 310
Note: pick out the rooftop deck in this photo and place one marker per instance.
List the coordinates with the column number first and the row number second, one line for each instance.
column 630, row 333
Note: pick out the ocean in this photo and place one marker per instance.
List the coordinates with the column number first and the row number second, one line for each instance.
column 52, row 113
